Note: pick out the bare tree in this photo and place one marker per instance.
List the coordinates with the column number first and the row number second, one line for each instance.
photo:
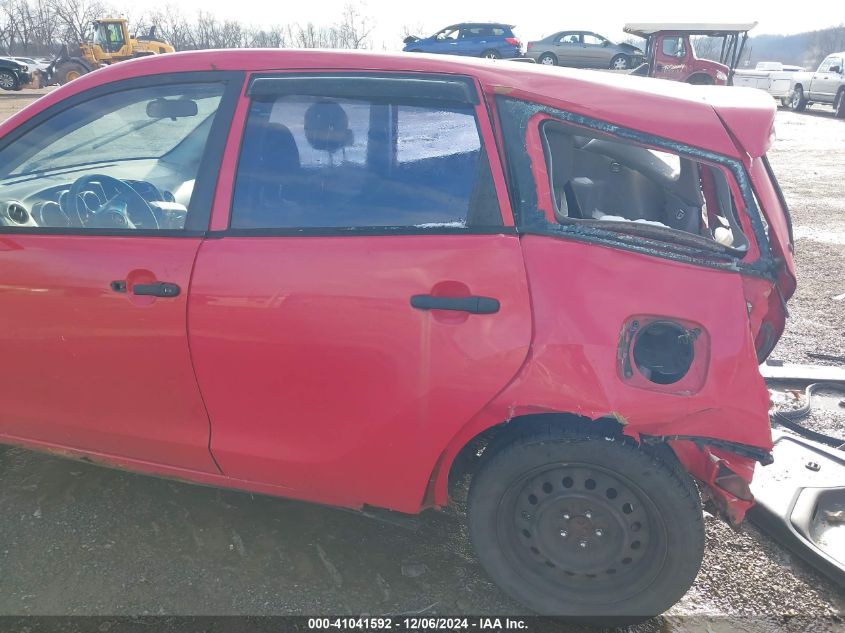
column 354, row 29
column 74, row 18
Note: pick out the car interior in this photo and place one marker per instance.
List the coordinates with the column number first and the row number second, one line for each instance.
column 121, row 162
column 622, row 186
column 318, row 162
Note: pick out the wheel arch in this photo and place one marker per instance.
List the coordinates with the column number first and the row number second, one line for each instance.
column 467, row 449
column 700, row 79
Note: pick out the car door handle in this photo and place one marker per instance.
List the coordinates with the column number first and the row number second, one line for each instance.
column 474, row 305
column 157, row 289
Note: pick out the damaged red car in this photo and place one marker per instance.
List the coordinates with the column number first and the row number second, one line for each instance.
column 358, row 279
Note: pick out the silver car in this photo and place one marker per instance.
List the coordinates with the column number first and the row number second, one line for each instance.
column 584, row 49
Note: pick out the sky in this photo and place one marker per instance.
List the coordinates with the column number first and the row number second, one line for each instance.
column 606, row 17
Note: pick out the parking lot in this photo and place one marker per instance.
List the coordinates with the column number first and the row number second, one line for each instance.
column 79, row 539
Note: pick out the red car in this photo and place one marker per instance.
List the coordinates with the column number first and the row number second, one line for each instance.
column 356, row 279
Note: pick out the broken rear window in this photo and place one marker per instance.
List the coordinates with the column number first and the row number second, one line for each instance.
column 598, row 178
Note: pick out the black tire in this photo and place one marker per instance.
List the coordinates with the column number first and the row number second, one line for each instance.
column 620, row 62
column 491, row 53
column 574, row 524
column 8, row 81
column 797, row 102
column 839, row 104
column 68, row 71
column 547, row 59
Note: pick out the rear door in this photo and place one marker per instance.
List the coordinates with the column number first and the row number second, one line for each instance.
column 366, row 297
column 569, row 50
column 473, row 40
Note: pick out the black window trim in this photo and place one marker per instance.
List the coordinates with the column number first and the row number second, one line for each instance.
column 202, row 199
column 530, row 221
column 360, row 231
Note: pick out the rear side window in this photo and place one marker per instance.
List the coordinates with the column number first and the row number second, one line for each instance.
column 621, row 185
column 323, row 162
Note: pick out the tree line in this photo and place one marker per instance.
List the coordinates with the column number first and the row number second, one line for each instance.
column 40, row 27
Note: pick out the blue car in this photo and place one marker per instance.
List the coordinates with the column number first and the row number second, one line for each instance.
column 474, row 39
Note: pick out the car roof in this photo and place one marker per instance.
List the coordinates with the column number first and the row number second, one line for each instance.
column 460, row 24
column 687, row 112
column 644, row 29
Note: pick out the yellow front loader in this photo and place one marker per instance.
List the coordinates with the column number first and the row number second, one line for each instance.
column 111, row 44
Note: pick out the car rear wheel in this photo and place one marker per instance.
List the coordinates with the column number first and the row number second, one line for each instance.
column 491, row 53
column 839, row 104
column 585, row 526
column 8, row 81
column 798, row 102
column 548, row 59
column 620, row 62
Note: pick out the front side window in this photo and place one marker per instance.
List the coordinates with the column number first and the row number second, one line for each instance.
column 674, row 47
column 570, row 38
column 124, row 160
column 594, row 40
column 323, row 162
column 448, row 34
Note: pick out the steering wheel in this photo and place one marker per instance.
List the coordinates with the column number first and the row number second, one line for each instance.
column 110, row 214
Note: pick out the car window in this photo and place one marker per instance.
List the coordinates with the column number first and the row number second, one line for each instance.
column 498, row 31
column 673, row 47
column 317, row 162
column 593, row 39
column 476, row 31
column 829, row 63
column 126, row 159
column 598, row 178
column 447, row 34
column 570, row 38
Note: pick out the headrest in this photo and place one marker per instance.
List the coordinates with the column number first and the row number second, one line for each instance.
column 327, row 127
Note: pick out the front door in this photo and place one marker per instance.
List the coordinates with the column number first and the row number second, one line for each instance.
column 367, row 300
column 670, row 57
column 99, row 198
column 825, row 82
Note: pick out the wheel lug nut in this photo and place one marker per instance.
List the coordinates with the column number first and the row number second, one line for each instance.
column 583, row 543
column 525, row 515
column 566, row 516
column 588, row 514
column 564, row 533
column 599, row 532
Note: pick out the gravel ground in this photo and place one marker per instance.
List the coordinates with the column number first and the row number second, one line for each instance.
column 79, row 539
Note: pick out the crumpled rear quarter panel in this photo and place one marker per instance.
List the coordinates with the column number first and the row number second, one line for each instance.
column 581, row 296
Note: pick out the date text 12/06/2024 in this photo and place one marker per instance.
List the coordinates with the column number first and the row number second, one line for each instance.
column 416, row 624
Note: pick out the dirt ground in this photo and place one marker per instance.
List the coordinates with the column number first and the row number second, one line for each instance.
column 77, row 539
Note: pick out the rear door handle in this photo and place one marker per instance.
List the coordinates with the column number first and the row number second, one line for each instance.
column 473, row 305
column 157, row 289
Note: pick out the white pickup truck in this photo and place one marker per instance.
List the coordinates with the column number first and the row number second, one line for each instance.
column 773, row 77
column 826, row 85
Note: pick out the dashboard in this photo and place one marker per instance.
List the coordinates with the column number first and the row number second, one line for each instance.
column 99, row 202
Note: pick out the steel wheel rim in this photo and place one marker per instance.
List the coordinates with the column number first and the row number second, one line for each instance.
column 7, row 81
column 547, row 61
column 620, row 64
column 491, row 55
column 583, row 531
column 72, row 74
column 796, row 98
